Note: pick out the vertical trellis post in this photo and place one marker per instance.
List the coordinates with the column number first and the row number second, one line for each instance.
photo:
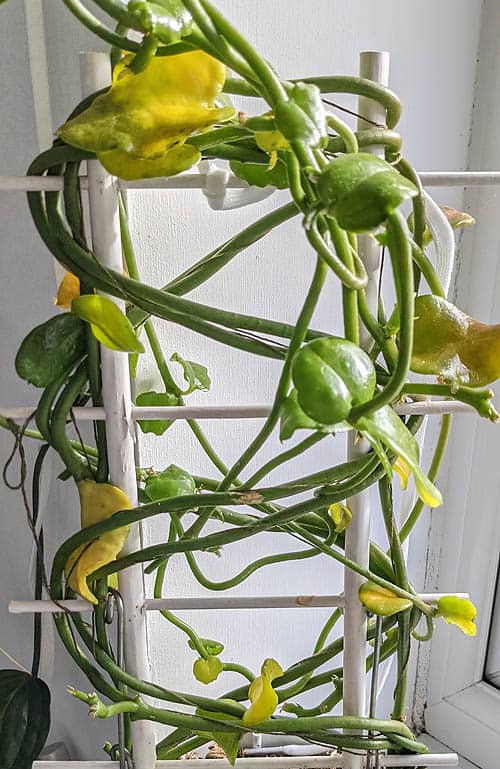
column 106, row 243
column 374, row 66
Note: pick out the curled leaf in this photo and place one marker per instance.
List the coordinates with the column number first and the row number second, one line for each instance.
column 213, row 648
column 98, row 502
column 69, row 289
column 261, row 694
column 458, row 611
column 383, row 428
column 381, row 601
column 108, row 323
column 340, row 515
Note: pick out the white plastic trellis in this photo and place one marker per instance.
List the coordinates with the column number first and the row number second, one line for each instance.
column 120, row 415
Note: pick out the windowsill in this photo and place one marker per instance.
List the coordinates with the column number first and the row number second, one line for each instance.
column 437, row 747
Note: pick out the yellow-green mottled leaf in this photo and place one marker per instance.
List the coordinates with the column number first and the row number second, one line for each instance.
column 458, row 611
column 108, row 323
column 381, row 601
column 340, row 515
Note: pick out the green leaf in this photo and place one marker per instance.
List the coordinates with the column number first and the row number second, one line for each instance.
column 458, row 611
column 213, row 648
column 360, row 190
column 385, row 428
column 260, row 174
column 172, row 482
column 381, row 601
column 152, row 398
column 195, row 374
column 167, row 20
column 228, row 741
column 206, row 671
column 293, row 418
column 108, row 323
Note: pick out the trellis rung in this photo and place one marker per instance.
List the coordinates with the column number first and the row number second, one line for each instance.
column 208, row 603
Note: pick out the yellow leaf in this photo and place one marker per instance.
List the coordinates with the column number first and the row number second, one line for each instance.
column 458, row 611
column 98, row 502
column 69, row 289
column 403, row 469
column 340, row 515
column 127, row 166
column 207, row 670
column 261, row 694
column 381, row 601
column 148, row 115
column 108, row 323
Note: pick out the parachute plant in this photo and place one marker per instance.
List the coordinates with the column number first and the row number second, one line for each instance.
column 171, row 103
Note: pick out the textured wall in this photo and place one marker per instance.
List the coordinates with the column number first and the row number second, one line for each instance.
column 435, row 79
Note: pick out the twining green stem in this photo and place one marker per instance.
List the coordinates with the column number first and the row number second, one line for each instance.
column 336, row 84
column 347, row 276
column 270, row 82
column 246, row 572
column 398, row 561
column 345, row 133
column 345, row 252
column 284, row 381
column 163, row 368
column 139, row 710
column 234, row 667
column 318, row 646
column 427, row 269
column 73, row 461
column 399, row 247
column 285, row 456
column 187, row 629
column 439, row 451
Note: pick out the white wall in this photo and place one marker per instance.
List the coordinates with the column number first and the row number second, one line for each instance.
column 433, row 49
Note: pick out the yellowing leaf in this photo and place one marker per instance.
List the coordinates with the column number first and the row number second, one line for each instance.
column 261, row 694
column 98, row 502
column 207, row 670
column 127, row 166
column 138, row 128
column 69, row 289
column 403, row 469
column 458, row 611
column 381, row 601
column 107, row 322
column 384, row 428
column 340, row 515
